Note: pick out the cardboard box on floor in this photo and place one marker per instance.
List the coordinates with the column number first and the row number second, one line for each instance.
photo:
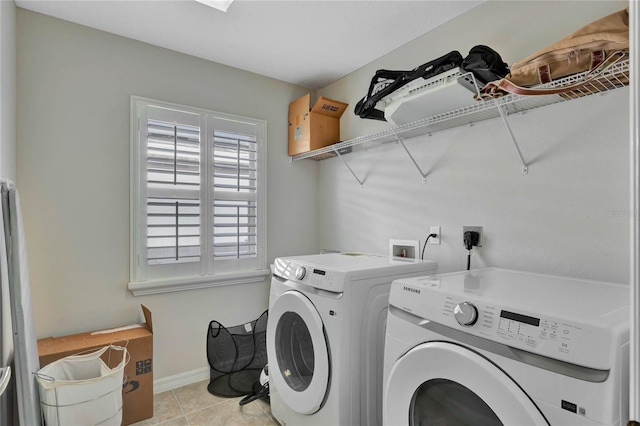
column 137, row 390
column 314, row 128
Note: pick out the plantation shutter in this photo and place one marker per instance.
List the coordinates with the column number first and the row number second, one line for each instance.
column 197, row 197
column 235, row 189
column 173, row 187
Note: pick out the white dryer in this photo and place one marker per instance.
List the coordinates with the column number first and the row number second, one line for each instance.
column 325, row 336
column 500, row 347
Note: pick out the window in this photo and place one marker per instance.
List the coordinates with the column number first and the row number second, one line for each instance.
column 197, row 198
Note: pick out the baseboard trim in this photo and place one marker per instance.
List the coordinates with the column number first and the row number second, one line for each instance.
column 179, row 380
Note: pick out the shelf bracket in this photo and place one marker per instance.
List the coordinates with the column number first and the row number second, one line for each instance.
column 503, row 114
column 361, row 182
column 415, row 163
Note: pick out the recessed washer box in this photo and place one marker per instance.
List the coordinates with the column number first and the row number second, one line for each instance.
column 404, row 248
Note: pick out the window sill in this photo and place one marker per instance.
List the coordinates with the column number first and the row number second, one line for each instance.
column 143, row 288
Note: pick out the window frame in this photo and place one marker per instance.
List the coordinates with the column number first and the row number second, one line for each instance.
column 207, row 272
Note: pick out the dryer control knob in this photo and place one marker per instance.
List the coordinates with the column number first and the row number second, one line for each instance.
column 300, row 272
column 466, row 314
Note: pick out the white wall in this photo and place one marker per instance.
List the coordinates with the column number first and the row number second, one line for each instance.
column 567, row 216
column 73, row 173
column 8, row 89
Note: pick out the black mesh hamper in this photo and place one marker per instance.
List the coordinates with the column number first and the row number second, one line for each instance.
column 236, row 356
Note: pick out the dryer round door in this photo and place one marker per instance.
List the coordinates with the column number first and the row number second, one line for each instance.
column 298, row 352
column 445, row 383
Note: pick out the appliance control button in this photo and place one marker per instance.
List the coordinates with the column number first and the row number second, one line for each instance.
column 465, row 313
column 301, row 272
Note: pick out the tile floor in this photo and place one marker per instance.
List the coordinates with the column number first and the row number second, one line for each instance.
column 193, row 405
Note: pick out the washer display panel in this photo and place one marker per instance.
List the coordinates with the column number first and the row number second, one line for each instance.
column 298, row 352
column 446, row 383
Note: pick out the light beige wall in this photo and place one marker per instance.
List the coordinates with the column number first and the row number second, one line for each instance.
column 73, row 174
column 8, row 89
column 569, row 215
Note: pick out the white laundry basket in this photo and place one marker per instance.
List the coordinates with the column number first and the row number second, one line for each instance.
column 83, row 389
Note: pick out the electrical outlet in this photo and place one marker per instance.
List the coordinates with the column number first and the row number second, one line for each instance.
column 477, row 229
column 436, row 239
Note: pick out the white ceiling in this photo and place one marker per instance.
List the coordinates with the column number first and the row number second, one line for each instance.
column 304, row 42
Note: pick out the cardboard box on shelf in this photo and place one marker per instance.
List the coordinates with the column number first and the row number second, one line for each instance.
column 316, row 127
column 137, row 390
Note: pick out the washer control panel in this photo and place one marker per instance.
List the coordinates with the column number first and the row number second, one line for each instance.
column 581, row 343
column 309, row 275
column 513, row 328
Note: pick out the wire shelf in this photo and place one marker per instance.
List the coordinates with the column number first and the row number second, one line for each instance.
column 615, row 77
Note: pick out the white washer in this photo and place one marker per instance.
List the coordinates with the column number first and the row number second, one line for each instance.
column 325, row 336
column 500, row 347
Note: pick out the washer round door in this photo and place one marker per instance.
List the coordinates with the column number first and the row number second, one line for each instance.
column 445, row 383
column 298, row 352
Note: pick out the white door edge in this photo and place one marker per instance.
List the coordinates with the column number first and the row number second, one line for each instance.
column 442, row 360
column 309, row 400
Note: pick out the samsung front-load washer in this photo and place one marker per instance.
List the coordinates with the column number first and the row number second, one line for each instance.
column 500, row 347
column 325, row 336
